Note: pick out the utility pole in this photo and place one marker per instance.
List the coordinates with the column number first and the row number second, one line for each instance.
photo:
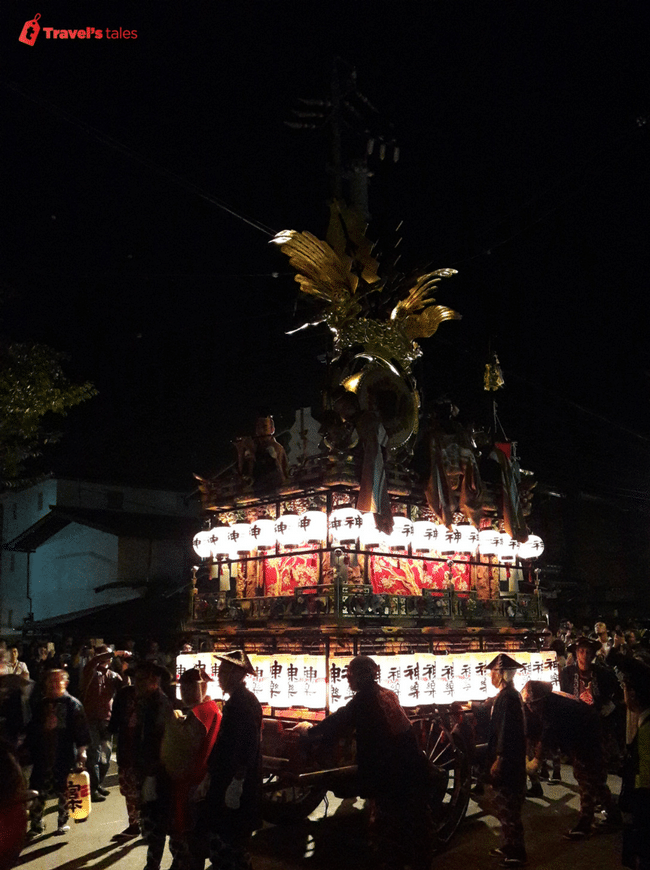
column 355, row 129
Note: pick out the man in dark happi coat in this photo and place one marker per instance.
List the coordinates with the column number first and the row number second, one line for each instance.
column 596, row 684
column 231, row 811
column 506, row 761
column 124, row 723
column 57, row 737
column 392, row 769
column 153, row 711
column 572, row 727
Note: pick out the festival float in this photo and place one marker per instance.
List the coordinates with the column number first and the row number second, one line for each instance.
column 388, row 533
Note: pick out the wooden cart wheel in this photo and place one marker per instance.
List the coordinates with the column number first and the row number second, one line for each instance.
column 448, row 752
column 284, row 803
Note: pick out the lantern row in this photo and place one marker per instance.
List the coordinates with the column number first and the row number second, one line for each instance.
column 346, row 526
column 315, row 682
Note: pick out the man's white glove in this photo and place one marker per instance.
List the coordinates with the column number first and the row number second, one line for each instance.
column 149, row 789
column 233, row 794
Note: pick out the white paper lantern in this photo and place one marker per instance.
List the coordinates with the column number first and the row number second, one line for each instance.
column 532, row 548
column 402, row 534
column 508, row 549
column 239, row 539
column 262, row 533
column 201, row 544
column 488, row 542
column 426, row 536
column 449, row 541
column 313, row 526
column 467, row 540
column 287, row 530
column 219, row 542
column 345, row 525
column 369, row 534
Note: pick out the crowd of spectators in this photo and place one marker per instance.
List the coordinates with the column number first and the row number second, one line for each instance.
column 59, row 713
column 191, row 772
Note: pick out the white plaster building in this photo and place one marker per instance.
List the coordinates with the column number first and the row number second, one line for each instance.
column 71, row 547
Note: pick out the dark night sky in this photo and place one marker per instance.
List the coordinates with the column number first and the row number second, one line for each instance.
column 523, row 165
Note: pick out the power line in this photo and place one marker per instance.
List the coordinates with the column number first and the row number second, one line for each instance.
column 129, row 152
column 120, row 273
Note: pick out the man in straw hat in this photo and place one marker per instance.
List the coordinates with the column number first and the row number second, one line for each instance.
column 506, row 761
column 231, row 811
column 589, row 682
column 597, row 685
column 99, row 685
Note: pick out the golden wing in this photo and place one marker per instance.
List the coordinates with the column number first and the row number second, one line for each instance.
column 320, row 271
column 423, row 325
column 420, row 295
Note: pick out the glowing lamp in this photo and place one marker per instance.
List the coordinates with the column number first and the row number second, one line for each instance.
column 213, row 540
column 369, row 534
column 488, row 542
column 426, row 536
column 287, row 530
column 201, row 544
column 219, row 542
column 239, row 538
column 262, row 533
column 532, row 548
column 313, row 525
column 345, row 525
column 508, row 549
column 402, row 534
column 467, row 541
column 449, row 541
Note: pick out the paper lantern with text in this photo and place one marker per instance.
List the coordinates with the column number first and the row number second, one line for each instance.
column 402, row 534
column 508, row 549
column 201, row 544
column 488, row 542
column 449, row 542
column 262, row 533
column 369, row 534
column 221, row 547
column 314, row 527
column 239, row 539
column 467, row 541
column 77, row 795
column 426, row 536
column 287, row 530
column 532, row 548
column 345, row 525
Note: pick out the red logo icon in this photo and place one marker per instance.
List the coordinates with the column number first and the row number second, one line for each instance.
column 30, row 30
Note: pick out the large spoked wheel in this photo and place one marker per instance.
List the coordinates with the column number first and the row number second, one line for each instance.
column 285, row 803
column 450, row 792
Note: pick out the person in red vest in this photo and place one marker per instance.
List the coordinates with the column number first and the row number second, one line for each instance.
column 186, row 747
